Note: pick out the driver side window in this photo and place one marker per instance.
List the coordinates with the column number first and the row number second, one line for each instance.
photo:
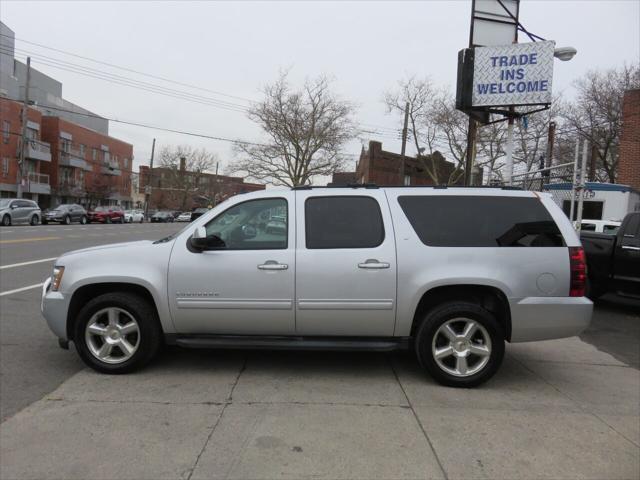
column 253, row 225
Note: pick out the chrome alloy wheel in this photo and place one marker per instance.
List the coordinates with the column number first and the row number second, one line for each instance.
column 461, row 347
column 112, row 335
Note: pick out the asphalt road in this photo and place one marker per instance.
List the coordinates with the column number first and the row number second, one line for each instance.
column 32, row 364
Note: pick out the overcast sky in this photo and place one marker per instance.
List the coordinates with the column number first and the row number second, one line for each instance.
column 237, row 47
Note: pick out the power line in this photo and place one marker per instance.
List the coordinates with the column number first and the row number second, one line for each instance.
column 115, row 79
column 157, row 77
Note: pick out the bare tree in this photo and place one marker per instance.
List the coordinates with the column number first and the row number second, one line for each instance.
column 451, row 127
column 187, row 181
column 596, row 113
column 490, row 143
column 306, row 130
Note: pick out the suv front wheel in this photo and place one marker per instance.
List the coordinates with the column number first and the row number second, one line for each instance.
column 460, row 344
column 117, row 333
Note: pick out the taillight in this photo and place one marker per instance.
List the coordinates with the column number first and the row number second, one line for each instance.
column 578, row 266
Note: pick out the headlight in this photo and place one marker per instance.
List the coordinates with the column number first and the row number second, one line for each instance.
column 56, row 278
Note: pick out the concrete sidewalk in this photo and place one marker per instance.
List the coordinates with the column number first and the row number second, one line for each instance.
column 557, row 409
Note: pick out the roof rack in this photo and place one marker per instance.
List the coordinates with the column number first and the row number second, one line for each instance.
column 373, row 186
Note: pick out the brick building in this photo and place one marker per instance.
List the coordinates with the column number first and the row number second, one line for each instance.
column 64, row 162
column 184, row 190
column 383, row 168
column 629, row 160
column 37, row 153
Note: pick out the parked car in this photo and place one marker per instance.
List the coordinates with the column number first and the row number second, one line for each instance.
column 133, row 216
column 66, row 213
column 106, row 215
column 198, row 212
column 448, row 273
column 613, row 261
column 162, row 217
column 184, row 217
column 600, row 226
column 14, row 211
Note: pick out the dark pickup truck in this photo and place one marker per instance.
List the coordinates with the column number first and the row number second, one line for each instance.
column 613, row 261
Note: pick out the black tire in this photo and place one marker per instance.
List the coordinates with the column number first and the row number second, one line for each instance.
column 83, row 220
column 145, row 315
column 435, row 318
column 142, row 220
column 34, row 221
column 67, row 220
column 6, row 220
column 107, row 220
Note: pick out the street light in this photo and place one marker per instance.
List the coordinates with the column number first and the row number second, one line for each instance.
column 565, row 53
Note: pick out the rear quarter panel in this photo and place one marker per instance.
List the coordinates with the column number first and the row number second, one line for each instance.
column 518, row 272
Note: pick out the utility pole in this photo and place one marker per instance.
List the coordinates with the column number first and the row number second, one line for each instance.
column 147, row 188
column 471, row 150
column 23, row 138
column 550, row 140
column 404, row 142
column 215, row 186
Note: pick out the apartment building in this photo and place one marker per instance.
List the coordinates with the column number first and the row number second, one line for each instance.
column 87, row 167
column 36, row 184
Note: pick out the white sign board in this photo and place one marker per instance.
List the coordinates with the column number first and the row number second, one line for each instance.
column 491, row 24
column 518, row 74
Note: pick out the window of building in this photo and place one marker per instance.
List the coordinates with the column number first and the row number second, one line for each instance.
column 343, row 222
column 5, row 167
column 65, row 145
column 126, row 162
column 81, row 148
column 407, row 179
column 476, row 221
column 253, row 225
column 32, row 133
column 6, row 131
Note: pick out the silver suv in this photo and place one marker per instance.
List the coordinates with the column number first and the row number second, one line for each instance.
column 451, row 273
column 17, row 210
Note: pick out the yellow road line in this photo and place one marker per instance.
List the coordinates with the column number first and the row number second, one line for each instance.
column 34, row 239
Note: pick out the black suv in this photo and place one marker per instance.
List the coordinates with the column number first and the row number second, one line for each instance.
column 66, row 214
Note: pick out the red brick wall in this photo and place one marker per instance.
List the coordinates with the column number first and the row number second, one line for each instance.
column 11, row 111
column 121, row 184
column 164, row 197
column 383, row 168
column 629, row 162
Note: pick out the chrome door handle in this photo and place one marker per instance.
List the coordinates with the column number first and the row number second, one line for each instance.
column 373, row 264
column 273, row 265
column 629, row 247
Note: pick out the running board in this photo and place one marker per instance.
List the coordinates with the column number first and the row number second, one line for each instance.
column 265, row 342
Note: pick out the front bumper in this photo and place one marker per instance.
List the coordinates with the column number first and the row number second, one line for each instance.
column 54, row 307
column 546, row 318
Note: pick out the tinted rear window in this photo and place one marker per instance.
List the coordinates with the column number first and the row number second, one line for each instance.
column 475, row 221
column 343, row 222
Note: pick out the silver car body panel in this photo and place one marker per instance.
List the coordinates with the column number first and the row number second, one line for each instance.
column 324, row 292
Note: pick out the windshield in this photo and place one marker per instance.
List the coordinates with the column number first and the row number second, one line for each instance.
column 100, row 209
column 4, row 203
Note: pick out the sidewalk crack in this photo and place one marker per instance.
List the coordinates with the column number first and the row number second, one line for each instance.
column 213, row 429
column 415, row 415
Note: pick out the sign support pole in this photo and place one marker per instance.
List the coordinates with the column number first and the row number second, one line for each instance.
column 509, row 150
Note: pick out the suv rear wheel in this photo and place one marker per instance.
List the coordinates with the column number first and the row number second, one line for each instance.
column 117, row 333
column 460, row 344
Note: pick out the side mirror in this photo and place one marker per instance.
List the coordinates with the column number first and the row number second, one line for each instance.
column 200, row 241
